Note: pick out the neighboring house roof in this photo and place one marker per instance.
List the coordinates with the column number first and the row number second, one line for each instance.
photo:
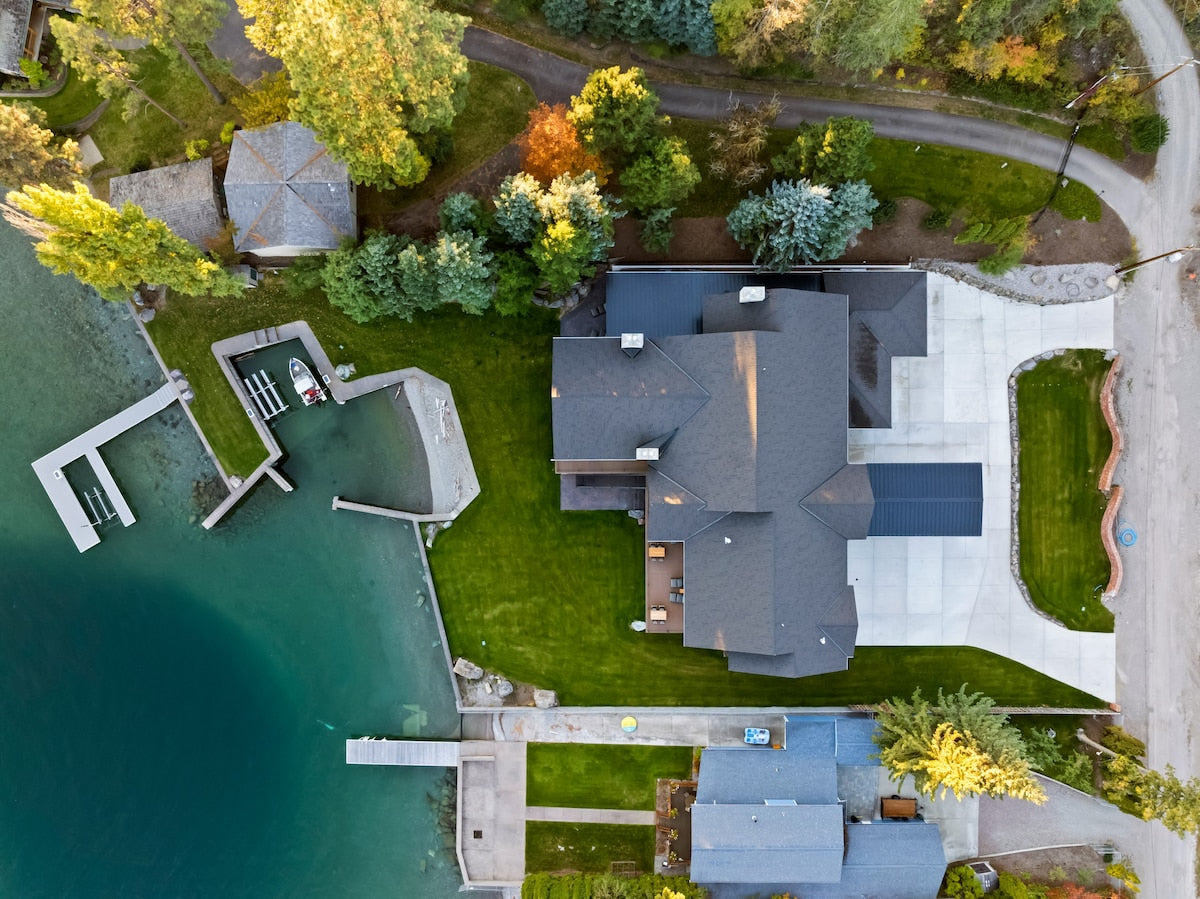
column 284, row 190
column 183, row 195
column 14, row 26
column 746, row 413
column 771, row 821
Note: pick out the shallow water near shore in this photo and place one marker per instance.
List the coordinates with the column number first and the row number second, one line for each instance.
column 174, row 702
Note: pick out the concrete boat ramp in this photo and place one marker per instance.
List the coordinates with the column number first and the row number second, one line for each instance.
column 80, row 522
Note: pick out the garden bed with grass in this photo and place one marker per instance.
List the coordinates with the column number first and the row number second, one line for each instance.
column 587, row 848
column 537, row 594
column 1064, row 443
column 584, row 775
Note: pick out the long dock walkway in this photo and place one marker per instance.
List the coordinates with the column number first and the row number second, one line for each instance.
column 49, row 468
column 414, row 753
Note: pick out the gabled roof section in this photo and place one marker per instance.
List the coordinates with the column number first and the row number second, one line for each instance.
column 798, row 843
column 673, row 513
column 14, row 23
column 182, row 195
column 283, row 189
column 940, row 499
column 606, row 404
column 844, row 502
column 729, row 775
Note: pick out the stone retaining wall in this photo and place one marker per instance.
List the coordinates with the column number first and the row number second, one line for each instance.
column 1108, row 523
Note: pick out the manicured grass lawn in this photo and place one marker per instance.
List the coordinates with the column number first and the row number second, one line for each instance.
column 1064, row 444
column 589, row 848
column 72, row 103
column 551, row 593
column 583, row 775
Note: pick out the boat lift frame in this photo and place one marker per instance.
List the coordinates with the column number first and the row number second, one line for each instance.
column 265, row 394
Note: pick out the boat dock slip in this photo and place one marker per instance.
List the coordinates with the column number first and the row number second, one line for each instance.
column 49, row 469
column 414, row 753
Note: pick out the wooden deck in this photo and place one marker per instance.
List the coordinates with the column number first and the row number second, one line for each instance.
column 414, row 753
column 659, row 573
column 49, row 468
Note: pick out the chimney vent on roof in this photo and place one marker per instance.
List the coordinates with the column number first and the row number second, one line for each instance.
column 647, row 454
column 752, row 294
column 632, row 343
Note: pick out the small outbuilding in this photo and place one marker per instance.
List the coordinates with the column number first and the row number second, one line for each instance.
column 286, row 195
column 22, row 27
column 182, row 195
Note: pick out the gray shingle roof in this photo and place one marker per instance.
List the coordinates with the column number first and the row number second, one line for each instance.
column 14, row 23
column 283, row 189
column 927, row 499
column 744, row 843
column 182, row 195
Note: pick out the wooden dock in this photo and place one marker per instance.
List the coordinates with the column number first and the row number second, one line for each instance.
column 414, row 753
column 49, row 468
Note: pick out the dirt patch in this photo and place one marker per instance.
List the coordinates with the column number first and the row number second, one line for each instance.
column 1058, row 241
column 1054, row 865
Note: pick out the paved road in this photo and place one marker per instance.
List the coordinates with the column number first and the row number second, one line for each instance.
column 1158, row 626
column 554, row 80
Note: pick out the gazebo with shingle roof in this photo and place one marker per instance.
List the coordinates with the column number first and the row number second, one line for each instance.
column 286, row 195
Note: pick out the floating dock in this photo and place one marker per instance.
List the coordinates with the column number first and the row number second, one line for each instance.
column 414, row 753
column 49, row 469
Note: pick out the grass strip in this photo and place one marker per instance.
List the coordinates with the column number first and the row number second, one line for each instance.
column 587, row 848
column 586, row 775
column 1064, row 444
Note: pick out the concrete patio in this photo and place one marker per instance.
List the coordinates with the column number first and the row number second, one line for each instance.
column 953, row 407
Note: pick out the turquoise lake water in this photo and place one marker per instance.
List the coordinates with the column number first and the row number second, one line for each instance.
column 167, row 698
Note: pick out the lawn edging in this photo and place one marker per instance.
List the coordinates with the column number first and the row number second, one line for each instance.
column 1115, row 493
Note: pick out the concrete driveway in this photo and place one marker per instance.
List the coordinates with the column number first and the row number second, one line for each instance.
column 953, row 406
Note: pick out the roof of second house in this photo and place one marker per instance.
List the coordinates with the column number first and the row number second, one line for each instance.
column 14, row 24
column 182, row 195
column 283, row 189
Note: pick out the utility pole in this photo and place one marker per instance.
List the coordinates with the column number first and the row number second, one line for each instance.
column 1172, row 256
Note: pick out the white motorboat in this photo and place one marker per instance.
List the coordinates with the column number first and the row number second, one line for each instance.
column 310, row 390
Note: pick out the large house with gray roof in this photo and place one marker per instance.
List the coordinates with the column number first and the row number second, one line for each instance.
column 806, row 820
column 286, row 195
column 718, row 404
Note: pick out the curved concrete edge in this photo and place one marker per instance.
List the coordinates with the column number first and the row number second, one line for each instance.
column 1108, row 538
column 1109, row 409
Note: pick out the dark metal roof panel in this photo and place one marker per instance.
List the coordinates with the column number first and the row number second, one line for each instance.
column 931, row 499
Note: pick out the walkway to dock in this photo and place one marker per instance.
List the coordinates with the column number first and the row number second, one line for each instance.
column 413, row 753
column 49, row 468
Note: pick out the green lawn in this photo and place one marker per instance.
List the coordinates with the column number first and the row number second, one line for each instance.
column 149, row 139
column 1064, row 444
column 589, row 848
column 551, row 593
column 72, row 103
column 584, row 775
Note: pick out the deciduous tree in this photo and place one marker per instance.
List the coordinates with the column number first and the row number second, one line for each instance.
column 29, row 151
column 737, row 148
column 112, row 250
column 866, row 34
column 616, row 114
column 957, row 744
column 829, row 152
column 371, row 77
column 267, row 101
column 662, row 178
column 92, row 56
column 756, row 33
column 550, row 147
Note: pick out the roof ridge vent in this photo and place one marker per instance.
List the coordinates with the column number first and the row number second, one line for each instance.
column 632, row 343
column 752, row 293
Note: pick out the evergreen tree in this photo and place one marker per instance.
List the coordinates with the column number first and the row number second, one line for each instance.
column 853, row 204
column 29, row 151
column 114, row 251
column 568, row 17
column 372, row 77
column 958, row 745
column 757, row 33
column 563, row 256
column 866, row 34
column 615, row 114
column 516, row 280
column 459, row 212
column 459, row 264
column 518, row 217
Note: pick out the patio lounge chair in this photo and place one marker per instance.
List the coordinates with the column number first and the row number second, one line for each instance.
column 676, row 582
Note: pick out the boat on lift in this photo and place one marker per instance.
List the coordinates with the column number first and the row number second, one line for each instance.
column 310, row 390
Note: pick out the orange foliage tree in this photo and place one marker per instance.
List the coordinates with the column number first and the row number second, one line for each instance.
column 550, row 147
